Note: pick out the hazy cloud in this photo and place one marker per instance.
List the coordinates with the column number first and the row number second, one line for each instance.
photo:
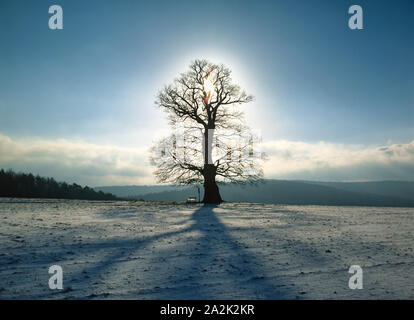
column 91, row 164
column 327, row 161
column 76, row 161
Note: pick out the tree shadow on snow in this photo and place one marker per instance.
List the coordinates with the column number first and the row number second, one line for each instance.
column 217, row 266
column 200, row 260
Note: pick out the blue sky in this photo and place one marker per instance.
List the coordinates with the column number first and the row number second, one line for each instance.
column 315, row 80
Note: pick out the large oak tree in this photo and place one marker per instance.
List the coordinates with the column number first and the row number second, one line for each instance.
column 210, row 142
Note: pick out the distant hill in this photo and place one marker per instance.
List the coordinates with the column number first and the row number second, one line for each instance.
column 294, row 192
column 391, row 193
column 135, row 191
column 22, row 185
column 400, row 189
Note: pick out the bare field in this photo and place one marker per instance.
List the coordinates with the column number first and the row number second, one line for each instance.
column 136, row 250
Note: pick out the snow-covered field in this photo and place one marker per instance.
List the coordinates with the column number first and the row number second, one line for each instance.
column 116, row 250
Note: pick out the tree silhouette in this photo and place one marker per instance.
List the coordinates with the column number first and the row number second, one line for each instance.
column 210, row 141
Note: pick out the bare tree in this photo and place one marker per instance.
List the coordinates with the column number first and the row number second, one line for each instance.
column 211, row 142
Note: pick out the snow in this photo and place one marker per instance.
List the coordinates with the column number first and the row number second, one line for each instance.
column 138, row 250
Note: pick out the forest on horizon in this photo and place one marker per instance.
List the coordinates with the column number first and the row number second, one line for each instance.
column 26, row 185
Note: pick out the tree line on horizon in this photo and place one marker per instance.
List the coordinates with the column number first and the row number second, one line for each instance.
column 22, row 185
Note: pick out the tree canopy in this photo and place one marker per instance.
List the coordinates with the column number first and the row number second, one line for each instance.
column 210, row 141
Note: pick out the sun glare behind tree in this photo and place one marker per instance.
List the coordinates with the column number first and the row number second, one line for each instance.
column 210, row 142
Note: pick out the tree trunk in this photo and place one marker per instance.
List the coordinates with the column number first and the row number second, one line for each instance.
column 211, row 190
